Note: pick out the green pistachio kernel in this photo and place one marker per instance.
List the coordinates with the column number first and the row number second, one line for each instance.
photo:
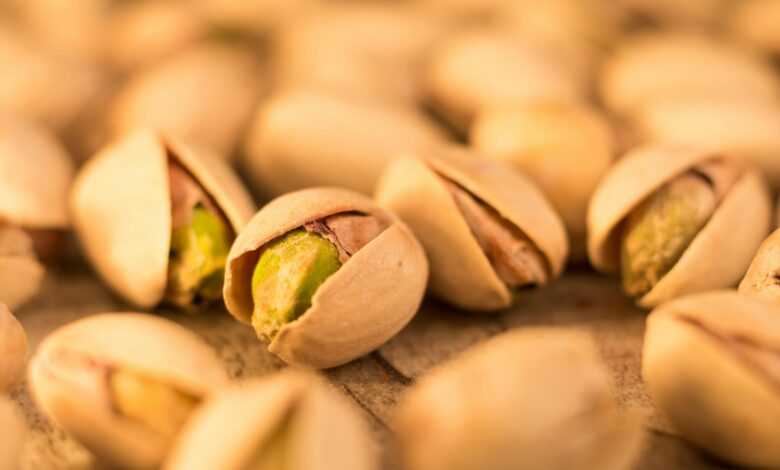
column 288, row 273
column 197, row 264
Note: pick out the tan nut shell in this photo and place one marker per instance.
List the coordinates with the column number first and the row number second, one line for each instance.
column 763, row 277
column 37, row 174
column 645, row 169
column 460, row 271
column 754, row 22
column 713, row 397
column 149, row 345
column 670, row 66
column 361, row 306
column 21, row 274
column 121, row 209
column 14, row 434
column 536, row 398
column 328, row 432
column 13, row 350
column 301, row 139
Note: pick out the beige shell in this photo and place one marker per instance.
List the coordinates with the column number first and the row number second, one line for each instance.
column 67, row 379
column 763, row 277
column 13, row 350
column 754, row 22
column 361, row 306
column 709, row 362
column 536, row 398
column 743, row 128
column 205, row 94
column 121, row 209
column 299, row 139
column 14, row 434
column 37, row 176
column 674, row 65
column 460, row 271
column 484, row 69
column 327, row 433
column 645, row 169
column 564, row 148
column 21, row 274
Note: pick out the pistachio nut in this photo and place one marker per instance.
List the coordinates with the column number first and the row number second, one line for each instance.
column 674, row 65
column 763, row 276
column 710, row 363
column 292, row 420
column 297, row 141
column 14, row 434
column 483, row 69
column 661, row 212
column 205, row 94
column 487, row 230
column 156, row 218
column 20, row 272
column 325, row 276
column 564, row 148
column 13, row 350
column 537, row 398
column 754, row 22
column 123, row 384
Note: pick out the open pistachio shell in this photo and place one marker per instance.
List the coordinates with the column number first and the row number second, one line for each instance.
column 763, row 276
column 754, row 22
column 292, row 416
column 297, row 141
column 536, row 398
column 710, row 363
column 13, row 349
column 369, row 299
column 14, row 434
column 20, row 272
column 639, row 175
column 461, row 272
column 71, row 371
column 121, row 208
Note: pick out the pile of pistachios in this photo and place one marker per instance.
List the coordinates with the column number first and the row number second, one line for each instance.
column 319, row 167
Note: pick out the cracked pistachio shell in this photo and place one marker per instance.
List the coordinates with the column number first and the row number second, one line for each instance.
column 205, row 94
column 763, row 276
column 21, row 274
column 318, row 428
column 564, row 148
column 710, row 363
column 674, row 65
column 14, row 434
column 460, row 271
column 535, row 398
column 121, row 209
column 359, row 307
column 13, row 350
column 637, row 176
column 754, row 22
column 297, row 141
column 67, row 381
column 484, row 69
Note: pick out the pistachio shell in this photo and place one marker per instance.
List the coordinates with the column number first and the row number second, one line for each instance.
column 20, row 272
column 121, row 209
column 708, row 364
column 460, row 271
column 763, row 277
column 67, row 378
column 13, row 349
column 37, row 176
column 14, row 434
column 754, row 22
column 536, row 398
column 633, row 178
column 671, row 66
column 358, row 308
column 324, row 431
column 297, row 141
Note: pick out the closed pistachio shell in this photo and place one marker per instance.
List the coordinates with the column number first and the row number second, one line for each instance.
column 121, row 208
column 20, row 272
column 69, row 378
column 763, row 276
column 369, row 299
column 293, row 414
column 754, row 22
column 461, row 272
column 183, row 96
column 14, row 434
column 297, row 141
column 564, row 148
column 536, row 398
column 709, row 362
column 670, row 66
column 639, row 175
column 13, row 349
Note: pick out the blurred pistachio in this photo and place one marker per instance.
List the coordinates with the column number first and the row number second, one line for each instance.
column 257, row 17
column 754, row 23
column 14, row 434
column 763, row 277
column 13, row 350
column 21, row 274
column 690, row 14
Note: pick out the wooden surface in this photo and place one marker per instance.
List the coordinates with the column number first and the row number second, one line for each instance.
column 580, row 300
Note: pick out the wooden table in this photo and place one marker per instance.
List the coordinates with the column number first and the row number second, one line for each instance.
column 581, row 300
